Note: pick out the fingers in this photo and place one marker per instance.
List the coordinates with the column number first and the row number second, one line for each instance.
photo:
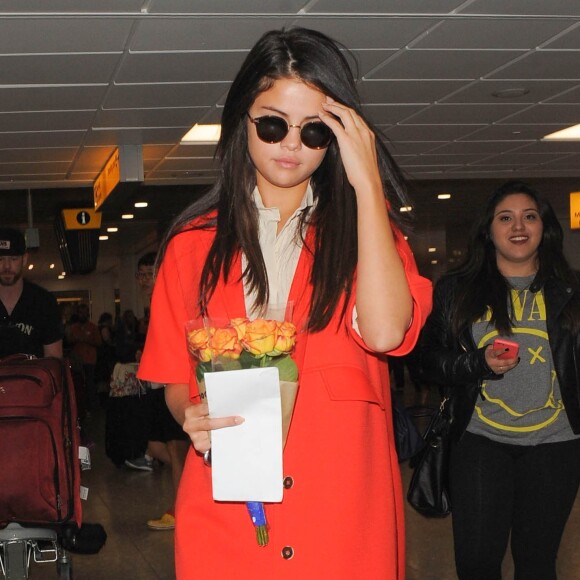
column 201, row 440
column 498, row 365
column 198, row 425
column 505, row 366
column 357, row 146
column 349, row 119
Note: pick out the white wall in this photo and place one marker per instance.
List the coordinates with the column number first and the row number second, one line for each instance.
column 101, row 287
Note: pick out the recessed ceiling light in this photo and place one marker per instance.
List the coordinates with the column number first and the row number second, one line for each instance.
column 444, row 196
column 569, row 134
column 112, row 230
column 431, row 250
column 61, row 277
column 202, row 134
column 141, row 204
column 406, row 208
column 51, row 266
column 433, row 261
column 30, row 266
column 63, row 274
column 510, row 93
column 103, row 238
column 127, row 216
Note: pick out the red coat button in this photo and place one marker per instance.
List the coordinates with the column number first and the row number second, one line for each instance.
column 287, row 552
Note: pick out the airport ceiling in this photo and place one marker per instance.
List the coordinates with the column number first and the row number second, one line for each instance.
column 463, row 90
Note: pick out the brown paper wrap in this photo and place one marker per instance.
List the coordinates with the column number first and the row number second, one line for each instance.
column 288, row 392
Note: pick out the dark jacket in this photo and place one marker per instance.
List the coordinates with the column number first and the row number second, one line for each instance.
column 455, row 363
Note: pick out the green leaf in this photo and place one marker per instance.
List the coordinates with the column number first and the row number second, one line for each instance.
column 248, row 361
column 201, row 369
column 228, row 364
column 286, row 367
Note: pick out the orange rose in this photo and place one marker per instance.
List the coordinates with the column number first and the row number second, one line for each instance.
column 260, row 337
column 198, row 343
column 224, row 342
column 239, row 324
column 285, row 338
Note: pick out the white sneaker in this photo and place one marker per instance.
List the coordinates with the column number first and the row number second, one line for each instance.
column 140, row 463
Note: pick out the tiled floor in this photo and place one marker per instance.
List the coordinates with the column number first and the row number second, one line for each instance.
column 122, row 500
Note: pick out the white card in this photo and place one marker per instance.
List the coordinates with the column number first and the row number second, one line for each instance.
column 246, row 459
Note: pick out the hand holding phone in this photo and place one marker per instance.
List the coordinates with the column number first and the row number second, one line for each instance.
column 510, row 347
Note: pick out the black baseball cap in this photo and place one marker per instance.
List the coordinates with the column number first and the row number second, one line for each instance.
column 12, row 242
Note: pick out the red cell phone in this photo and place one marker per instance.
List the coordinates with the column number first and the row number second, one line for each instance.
column 513, row 348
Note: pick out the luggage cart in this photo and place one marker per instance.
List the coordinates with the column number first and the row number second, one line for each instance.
column 42, row 503
column 20, row 547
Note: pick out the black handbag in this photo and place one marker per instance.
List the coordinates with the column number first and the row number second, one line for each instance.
column 429, row 488
column 408, row 440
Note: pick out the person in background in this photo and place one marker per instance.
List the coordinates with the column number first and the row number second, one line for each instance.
column 515, row 462
column 85, row 338
column 305, row 209
column 128, row 341
column 31, row 323
column 106, row 355
column 145, row 277
column 168, row 442
column 128, row 349
column 106, row 329
column 29, row 316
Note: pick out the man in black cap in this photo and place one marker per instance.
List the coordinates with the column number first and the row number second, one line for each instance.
column 29, row 317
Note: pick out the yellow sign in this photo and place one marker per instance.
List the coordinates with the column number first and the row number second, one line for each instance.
column 107, row 179
column 575, row 210
column 84, row 218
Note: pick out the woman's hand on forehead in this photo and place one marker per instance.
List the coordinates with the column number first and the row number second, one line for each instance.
column 356, row 143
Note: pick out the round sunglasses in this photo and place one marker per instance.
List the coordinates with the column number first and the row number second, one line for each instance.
column 272, row 129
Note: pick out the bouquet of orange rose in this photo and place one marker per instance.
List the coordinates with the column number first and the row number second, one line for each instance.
column 241, row 343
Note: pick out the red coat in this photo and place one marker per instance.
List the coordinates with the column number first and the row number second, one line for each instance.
column 342, row 513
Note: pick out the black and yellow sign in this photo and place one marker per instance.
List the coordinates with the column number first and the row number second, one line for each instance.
column 575, row 210
column 107, row 180
column 84, row 218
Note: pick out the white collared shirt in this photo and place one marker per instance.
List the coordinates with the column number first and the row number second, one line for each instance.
column 281, row 251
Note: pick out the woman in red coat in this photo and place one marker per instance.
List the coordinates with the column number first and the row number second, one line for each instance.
column 304, row 210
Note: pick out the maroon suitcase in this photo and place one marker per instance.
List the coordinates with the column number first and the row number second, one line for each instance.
column 39, row 443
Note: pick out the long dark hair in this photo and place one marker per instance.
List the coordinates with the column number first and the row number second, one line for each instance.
column 317, row 60
column 482, row 284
